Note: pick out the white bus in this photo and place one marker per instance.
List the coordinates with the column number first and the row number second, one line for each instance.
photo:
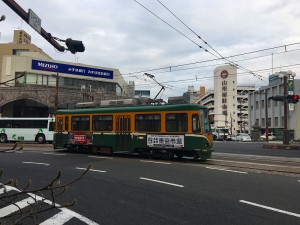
column 39, row 130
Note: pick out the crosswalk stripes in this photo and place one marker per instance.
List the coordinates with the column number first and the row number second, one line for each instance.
column 63, row 216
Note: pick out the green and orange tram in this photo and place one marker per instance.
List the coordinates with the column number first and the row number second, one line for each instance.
column 159, row 130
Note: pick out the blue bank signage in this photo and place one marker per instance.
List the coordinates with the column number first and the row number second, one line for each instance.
column 71, row 69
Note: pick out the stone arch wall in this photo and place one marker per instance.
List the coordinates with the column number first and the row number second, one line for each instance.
column 46, row 95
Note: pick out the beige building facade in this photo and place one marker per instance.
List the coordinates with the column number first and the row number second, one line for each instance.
column 32, row 84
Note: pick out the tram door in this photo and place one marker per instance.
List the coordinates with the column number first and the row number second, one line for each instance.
column 123, row 137
column 59, row 129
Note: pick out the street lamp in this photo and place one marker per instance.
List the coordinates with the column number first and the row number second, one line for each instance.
column 286, row 75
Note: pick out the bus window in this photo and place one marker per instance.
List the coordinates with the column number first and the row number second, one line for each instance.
column 176, row 122
column 102, row 123
column 51, row 126
column 195, row 124
column 148, row 122
column 80, row 123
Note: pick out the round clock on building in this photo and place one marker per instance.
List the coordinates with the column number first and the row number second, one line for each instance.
column 224, row 74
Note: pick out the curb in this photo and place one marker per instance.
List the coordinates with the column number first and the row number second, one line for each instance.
column 281, row 146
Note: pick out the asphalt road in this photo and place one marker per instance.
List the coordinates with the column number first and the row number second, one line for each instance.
column 122, row 190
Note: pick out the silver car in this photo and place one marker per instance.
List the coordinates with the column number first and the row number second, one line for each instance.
column 271, row 137
column 243, row 137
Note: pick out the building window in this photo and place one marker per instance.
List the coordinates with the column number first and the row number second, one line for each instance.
column 262, row 104
column 257, row 121
column 276, row 121
column 251, row 107
column 263, row 122
column 256, row 104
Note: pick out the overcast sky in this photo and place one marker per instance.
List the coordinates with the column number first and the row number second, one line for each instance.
column 143, row 36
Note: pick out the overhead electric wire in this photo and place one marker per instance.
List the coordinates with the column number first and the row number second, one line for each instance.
column 174, row 28
column 191, row 68
column 222, row 57
column 210, row 60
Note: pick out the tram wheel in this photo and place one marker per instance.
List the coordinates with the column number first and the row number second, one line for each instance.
column 179, row 155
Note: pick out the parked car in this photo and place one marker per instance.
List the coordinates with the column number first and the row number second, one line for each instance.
column 271, row 137
column 234, row 138
column 243, row 137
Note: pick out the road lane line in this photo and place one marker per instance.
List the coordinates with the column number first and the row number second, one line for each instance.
column 48, row 153
column 270, row 208
column 99, row 171
column 259, row 164
column 37, row 163
column 100, row 157
column 148, row 161
column 233, row 171
column 162, row 182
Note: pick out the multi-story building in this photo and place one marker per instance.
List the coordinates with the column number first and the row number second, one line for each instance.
column 263, row 110
column 33, row 84
column 228, row 102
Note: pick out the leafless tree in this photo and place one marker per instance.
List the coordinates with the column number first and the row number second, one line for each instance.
column 38, row 203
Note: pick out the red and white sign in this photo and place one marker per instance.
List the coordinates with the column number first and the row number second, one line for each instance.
column 80, row 138
column 224, row 74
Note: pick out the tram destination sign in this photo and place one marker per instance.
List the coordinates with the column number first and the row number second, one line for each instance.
column 165, row 141
column 71, row 69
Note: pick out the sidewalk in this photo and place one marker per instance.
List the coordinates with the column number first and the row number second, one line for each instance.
column 280, row 145
column 7, row 147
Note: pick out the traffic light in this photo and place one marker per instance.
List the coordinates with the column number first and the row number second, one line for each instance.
column 292, row 98
column 75, row 46
column 277, row 98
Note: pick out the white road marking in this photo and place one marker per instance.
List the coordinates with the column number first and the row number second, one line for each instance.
column 148, row 161
column 62, row 217
column 260, row 164
column 48, row 153
column 270, row 208
column 16, row 206
column 99, row 171
column 58, row 219
column 233, row 171
column 162, row 182
column 100, row 157
column 37, row 163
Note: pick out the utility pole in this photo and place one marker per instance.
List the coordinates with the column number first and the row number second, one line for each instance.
column 266, row 115
column 56, row 94
column 285, row 108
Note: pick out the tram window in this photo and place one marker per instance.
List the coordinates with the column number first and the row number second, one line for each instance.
column 59, row 124
column 195, row 123
column 66, row 123
column 205, row 121
column 148, row 122
column 80, row 123
column 102, row 123
column 176, row 122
